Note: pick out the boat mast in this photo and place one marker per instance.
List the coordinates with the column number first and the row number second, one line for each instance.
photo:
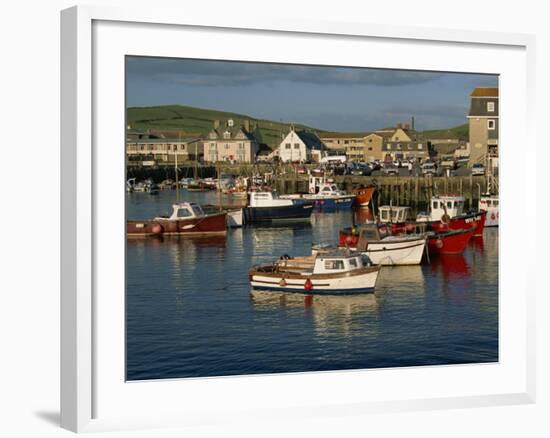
column 176, row 168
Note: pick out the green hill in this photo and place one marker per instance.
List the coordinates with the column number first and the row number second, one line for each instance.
column 187, row 121
column 461, row 132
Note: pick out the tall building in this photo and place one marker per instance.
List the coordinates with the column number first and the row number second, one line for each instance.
column 483, row 124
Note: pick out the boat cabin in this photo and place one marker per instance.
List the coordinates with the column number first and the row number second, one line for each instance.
column 394, row 215
column 329, row 189
column 184, row 210
column 267, row 199
column 449, row 205
column 488, row 202
column 337, row 263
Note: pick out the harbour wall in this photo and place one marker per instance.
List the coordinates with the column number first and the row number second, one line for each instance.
column 414, row 191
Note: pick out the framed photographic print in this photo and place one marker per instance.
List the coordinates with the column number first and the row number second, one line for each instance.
column 252, row 209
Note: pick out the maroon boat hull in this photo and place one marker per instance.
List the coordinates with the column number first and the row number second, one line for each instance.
column 199, row 226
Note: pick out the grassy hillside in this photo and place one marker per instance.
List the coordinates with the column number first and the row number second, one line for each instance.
column 191, row 121
column 460, row 131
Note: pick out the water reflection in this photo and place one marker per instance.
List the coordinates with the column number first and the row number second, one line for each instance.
column 332, row 315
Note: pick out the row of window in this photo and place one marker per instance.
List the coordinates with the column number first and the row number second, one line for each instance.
column 289, row 146
column 409, row 146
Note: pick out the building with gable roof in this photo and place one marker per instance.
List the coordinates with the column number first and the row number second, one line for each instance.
column 231, row 143
column 300, row 146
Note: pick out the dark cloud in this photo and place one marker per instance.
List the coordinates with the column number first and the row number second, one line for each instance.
column 223, row 73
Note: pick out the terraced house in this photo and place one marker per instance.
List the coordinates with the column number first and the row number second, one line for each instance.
column 403, row 143
column 231, row 143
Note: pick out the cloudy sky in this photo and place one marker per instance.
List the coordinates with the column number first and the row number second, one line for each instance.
column 329, row 98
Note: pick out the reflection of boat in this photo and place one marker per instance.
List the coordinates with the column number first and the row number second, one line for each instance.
column 266, row 207
column 451, row 266
column 187, row 219
column 388, row 250
column 357, row 302
column 337, row 273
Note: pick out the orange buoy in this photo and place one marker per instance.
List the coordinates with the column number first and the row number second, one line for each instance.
column 156, row 229
column 308, row 285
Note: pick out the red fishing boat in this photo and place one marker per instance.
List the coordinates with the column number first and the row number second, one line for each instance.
column 449, row 242
column 187, row 219
column 447, row 213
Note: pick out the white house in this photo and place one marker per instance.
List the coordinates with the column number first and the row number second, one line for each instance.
column 300, row 146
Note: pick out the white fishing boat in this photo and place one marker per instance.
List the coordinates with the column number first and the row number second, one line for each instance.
column 339, row 272
column 234, row 218
column 489, row 203
column 406, row 249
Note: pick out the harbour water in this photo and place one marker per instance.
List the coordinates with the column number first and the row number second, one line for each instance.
column 190, row 311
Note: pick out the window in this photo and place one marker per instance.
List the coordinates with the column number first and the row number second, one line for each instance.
column 389, row 147
column 287, row 146
column 491, row 124
column 346, row 142
column 226, row 146
column 370, row 149
column 353, row 263
column 449, row 204
column 490, row 107
column 435, row 204
column 334, row 264
column 184, row 212
column 296, row 145
column 226, row 134
column 241, row 145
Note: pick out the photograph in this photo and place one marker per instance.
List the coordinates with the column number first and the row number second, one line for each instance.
column 296, row 218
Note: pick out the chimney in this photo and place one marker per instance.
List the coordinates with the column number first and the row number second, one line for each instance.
column 412, row 123
column 247, row 125
column 399, row 126
column 216, row 124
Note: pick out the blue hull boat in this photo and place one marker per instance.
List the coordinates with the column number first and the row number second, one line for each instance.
column 336, row 203
column 299, row 210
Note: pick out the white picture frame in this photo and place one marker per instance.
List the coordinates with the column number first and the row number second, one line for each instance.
column 86, row 352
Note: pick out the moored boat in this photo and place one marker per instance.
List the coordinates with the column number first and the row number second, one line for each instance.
column 385, row 250
column 186, row 219
column 336, row 273
column 449, row 242
column 489, row 204
column 363, row 196
column 267, row 207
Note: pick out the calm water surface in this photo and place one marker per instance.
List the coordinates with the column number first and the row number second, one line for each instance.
column 190, row 311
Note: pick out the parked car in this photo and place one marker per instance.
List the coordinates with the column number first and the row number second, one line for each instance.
column 390, row 169
column 478, row 169
column 429, row 168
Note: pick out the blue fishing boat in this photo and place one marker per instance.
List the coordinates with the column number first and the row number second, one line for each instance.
column 267, row 207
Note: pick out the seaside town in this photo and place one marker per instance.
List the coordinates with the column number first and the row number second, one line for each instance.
column 352, row 214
